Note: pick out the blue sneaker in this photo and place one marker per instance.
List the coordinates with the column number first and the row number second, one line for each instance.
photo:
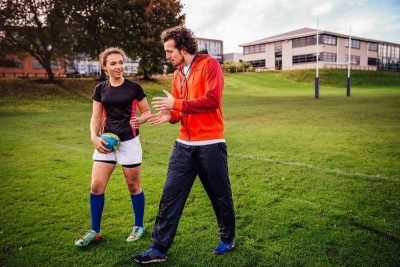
column 223, row 248
column 151, row 255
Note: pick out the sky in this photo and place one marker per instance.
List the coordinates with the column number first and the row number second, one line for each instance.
column 237, row 22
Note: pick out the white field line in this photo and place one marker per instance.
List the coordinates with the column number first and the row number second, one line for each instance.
column 298, row 164
column 315, row 167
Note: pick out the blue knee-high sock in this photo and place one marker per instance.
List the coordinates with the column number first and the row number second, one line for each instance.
column 138, row 208
column 96, row 210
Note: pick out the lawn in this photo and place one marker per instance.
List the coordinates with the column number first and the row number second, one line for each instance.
column 315, row 182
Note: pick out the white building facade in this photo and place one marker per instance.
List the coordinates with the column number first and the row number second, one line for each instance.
column 235, row 57
column 212, row 47
column 298, row 50
column 84, row 66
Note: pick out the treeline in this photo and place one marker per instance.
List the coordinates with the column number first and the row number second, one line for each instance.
column 50, row 29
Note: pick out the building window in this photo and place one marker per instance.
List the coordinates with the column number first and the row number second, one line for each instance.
column 54, row 64
column 304, row 58
column 258, row 63
column 328, row 57
column 10, row 63
column 252, row 49
column 312, row 40
column 355, row 60
column 389, row 57
column 211, row 47
column 354, row 43
column 304, row 41
column 372, row 61
column 18, row 63
column 324, row 56
column 278, row 47
column 327, row 39
column 36, row 64
column 372, row 46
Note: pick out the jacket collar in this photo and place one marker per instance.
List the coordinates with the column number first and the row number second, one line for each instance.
column 192, row 64
column 195, row 63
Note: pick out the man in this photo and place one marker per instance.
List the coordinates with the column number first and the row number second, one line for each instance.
column 200, row 149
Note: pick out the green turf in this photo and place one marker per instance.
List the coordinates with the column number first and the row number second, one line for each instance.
column 315, row 182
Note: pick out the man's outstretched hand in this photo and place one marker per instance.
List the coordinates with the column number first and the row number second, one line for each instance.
column 163, row 103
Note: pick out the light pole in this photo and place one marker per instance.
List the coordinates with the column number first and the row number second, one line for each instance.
column 349, row 67
column 316, row 69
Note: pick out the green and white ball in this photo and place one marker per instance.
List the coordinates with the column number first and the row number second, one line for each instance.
column 112, row 141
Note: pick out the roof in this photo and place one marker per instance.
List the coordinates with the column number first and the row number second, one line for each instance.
column 208, row 39
column 302, row 33
column 283, row 36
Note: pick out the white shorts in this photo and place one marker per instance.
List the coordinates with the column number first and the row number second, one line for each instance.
column 128, row 153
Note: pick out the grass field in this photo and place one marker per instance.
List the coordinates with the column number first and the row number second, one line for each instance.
column 315, row 182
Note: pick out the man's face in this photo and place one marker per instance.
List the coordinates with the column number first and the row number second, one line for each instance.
column 172, row 53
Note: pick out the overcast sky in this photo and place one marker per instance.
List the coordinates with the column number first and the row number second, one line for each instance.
column 240, row 21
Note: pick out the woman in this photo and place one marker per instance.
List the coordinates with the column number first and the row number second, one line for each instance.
column 114, row 111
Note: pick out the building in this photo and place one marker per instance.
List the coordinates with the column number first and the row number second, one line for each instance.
column 13, row 66
column 212, row 47
column 84, row 66
column 81, row 65
column 297, row 50
column 235, row 57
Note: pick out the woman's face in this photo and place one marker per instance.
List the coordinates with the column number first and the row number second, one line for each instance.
column 114, row 65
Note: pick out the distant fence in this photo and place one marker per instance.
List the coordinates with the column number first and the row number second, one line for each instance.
column 29, row 75
column 312, row 66
column 353, row 67
column 264, row 69
column 63, row 75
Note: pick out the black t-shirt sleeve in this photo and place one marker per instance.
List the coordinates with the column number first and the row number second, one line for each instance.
column 97, row 93
column 140, row 93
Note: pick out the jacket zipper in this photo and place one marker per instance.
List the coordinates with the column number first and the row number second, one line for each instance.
column 187, row 114
column 186, row 97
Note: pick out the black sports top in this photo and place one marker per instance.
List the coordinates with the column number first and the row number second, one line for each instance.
column 119, row 106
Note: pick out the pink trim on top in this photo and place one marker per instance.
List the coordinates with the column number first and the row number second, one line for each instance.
column 133, row 114
column 104, row 121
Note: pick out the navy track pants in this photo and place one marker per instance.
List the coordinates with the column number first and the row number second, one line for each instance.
column 209, row 162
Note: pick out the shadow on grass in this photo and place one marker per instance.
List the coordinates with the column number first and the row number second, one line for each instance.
column 369, row 229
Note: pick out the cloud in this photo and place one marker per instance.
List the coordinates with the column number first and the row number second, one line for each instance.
column 208, row 14
column 322, row 9
column 242, row 21
column 383, row 25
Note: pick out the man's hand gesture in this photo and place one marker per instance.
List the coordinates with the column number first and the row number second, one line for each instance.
column 163, row 103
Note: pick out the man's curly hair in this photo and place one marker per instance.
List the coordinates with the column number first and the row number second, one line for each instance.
column 183, row 37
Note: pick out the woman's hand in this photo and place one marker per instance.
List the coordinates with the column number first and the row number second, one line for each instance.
column 98, row 144
column 160, row 117
column 145, row 113
column 136, row 122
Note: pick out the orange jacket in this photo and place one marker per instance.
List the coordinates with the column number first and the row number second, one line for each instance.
column 198, row 100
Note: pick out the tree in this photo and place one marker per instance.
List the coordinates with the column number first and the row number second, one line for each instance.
column 37, row 27
column 48, row 29
column 97, row 24
column 134, row 25
column 202, row 51
column 148, row 18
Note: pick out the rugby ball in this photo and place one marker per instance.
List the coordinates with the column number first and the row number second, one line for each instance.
column 112, row 141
